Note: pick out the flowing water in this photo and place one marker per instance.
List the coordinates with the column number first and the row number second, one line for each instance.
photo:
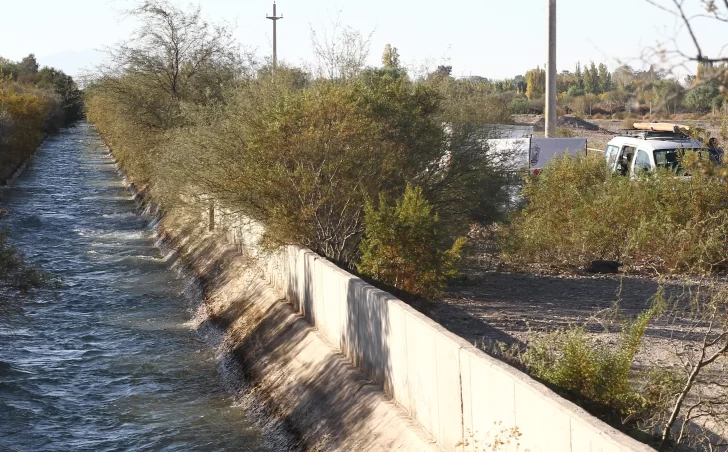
column 108, row 362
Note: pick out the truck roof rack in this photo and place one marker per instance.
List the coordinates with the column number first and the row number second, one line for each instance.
column 654, row 135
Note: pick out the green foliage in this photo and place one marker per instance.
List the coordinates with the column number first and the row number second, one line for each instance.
column 577, row 213
column 701, row 97
column 70, row 96
column 27, row 115
column 519, row 106
column 601, row 374
column 15, row 273
column 403, row 246
column 390, row 57
column 536, row 83
column 55, row 84
column 298, row 153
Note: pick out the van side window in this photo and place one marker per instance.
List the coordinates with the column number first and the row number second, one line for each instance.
column 642, row 162
column 611, row 155
column 625, row 160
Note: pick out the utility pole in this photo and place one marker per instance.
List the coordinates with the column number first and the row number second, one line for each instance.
column 550, row 109
column 274, row 18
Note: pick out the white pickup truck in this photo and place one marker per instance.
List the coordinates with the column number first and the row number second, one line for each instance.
column 649, row 146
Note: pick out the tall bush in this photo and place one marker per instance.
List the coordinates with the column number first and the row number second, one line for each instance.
column 660, row 222
column 403, row 246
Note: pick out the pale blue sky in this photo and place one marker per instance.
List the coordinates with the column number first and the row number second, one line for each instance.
column 492, row 38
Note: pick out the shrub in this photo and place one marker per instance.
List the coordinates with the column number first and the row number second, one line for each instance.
column 602, row 375
column 519, row 106
column 18, row 276
column 575, row 213
column 403, row 246
column 568, row 360
column 27, row 114
column 564, row 132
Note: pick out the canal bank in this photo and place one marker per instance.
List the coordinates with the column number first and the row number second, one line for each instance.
column 290, row 378
column 290, row 365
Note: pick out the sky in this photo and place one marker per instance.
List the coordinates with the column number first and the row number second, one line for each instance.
column 490, row 38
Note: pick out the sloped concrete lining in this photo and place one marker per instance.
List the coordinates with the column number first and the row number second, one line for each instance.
column 464, row 398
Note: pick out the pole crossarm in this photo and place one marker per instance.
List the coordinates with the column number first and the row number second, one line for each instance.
column 275, row 18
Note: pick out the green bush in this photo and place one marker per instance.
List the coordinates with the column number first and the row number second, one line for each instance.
column 18, row 276
column 403, row 246
column 601, row 374
column 576, row 213
column 568, row 360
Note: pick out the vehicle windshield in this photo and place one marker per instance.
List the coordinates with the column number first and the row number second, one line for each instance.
column 670, row 158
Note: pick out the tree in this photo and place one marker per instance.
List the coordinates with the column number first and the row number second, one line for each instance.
column 519, row 82
column 700, row 98
column 340, row 52
column 624, row 77
column 591, row 80
column 578, row 77
column 615, row 98
column 672, row 52
column 390, row 57
column 535, row 83
column 27, row 66
column 667, row 92
column 66, row 88
column 172, row 48
column 444, row 70
column 605, row 79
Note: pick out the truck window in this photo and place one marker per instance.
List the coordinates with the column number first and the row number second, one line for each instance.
column 642, row 162
column 625, row 160
column 670, row 158
column 611, row 156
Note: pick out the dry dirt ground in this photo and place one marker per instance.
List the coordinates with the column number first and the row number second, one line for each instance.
column 492, row 306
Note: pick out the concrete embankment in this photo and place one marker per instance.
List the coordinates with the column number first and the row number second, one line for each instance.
column 325, row 400
column 465, row 399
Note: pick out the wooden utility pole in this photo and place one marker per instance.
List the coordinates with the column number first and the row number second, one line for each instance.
column 550, row 110
column 275, row 19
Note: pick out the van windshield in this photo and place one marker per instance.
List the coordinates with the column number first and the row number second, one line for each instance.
column 670, row 158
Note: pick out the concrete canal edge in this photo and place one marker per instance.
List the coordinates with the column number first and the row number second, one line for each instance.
column 464, row 399
column 294, row 368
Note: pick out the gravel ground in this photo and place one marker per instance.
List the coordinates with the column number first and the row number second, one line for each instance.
column 512, row 307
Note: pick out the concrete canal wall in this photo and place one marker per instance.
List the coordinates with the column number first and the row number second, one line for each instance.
column 464, row 398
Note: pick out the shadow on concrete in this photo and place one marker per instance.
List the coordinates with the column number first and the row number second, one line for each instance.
column 328, row 400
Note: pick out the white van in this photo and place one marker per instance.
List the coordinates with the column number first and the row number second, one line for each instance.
column 647, row 148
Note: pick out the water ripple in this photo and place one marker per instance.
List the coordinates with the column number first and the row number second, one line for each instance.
column 109, row 362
